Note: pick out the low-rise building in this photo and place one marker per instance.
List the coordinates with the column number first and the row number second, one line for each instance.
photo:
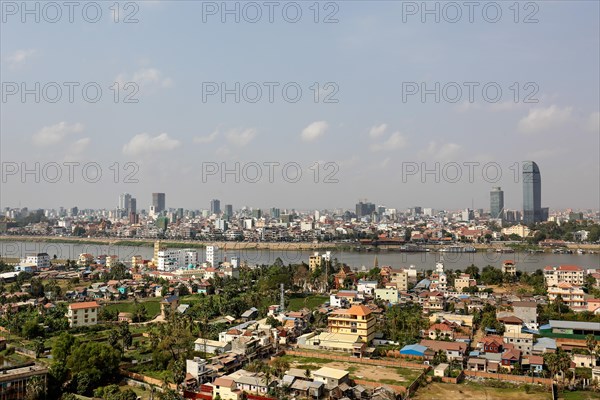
column 83, row 314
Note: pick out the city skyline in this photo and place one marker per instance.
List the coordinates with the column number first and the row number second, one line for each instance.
column 371, row 134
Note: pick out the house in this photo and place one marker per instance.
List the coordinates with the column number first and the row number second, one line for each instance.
column 197, row 368
column 509, row 267
column 226, row 389
column 491, row 344
column 510, row 358
column 254, row 384
column 477, row 364
column 440, row 331
column 454, row 350
column 330, row 377
column 536, row 364
column 527, row 312
column 125, row 317
column 83, row 314
column 211, row 346
column 441, row 370
column 387, row 294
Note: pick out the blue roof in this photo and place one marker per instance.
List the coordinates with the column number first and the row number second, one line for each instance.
column 474, row 353
column 547, row 326
column 415, row 349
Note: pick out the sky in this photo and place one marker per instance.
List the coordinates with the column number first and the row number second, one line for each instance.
column 306, row 105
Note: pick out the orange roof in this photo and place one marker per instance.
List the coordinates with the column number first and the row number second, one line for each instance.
column 87, row 304
column 359, row 310
column 569, row 268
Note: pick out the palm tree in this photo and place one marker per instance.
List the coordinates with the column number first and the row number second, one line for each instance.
column 40, row 346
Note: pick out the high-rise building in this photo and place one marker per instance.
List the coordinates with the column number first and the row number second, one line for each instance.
column 215, row 206
column 532, row 193
column 228, row 210
column 364, row 209
column 497, row 203
column 132, row 207
column 158, row 201
column 275, row 212
column 124, row 199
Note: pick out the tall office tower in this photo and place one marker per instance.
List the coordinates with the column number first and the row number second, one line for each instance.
column 228, row 210
column 215, row 206
column 364, row 209
column 158, row 201
column 124, row 199
column 496, row 203
column 532, row 193
column 132, row 206
column 275, row 212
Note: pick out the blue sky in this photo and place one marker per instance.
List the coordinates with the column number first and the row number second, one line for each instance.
column 371, row 134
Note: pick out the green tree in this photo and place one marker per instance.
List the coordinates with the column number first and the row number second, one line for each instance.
column 40, row 346
column 35, row 388
column 62, row 347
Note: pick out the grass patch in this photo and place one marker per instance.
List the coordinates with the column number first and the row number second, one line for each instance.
column 152, row 305
column 579, row 395
column 299, row 301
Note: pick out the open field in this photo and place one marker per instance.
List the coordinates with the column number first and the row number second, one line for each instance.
column 373, row 373
column 579, row 396
column 297, row 302
column 152, row 305
column 473, row 391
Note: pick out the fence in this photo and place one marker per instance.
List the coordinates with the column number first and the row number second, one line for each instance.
column 510, row 378
column 396, row 388
column 370, row 361
column 412, row 388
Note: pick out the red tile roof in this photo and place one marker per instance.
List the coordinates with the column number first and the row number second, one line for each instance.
column 87, row 304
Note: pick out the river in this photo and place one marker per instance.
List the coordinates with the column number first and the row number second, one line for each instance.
column 422, row 261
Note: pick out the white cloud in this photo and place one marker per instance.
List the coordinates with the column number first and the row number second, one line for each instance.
column 543, row 153
column 206, row 139
column 593, row 122
column 56, row 133
column 377, row 130
column 241, row 137
column 143, row 144
column 445, row 151
column 79, row 146
column 543, row 119
column 19, row 57
column 396, row 141
column 146, row 78
column 314, row 131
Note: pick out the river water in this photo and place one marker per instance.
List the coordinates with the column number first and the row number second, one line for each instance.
column 421, row 261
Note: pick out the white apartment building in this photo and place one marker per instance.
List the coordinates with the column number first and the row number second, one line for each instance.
column 41, row 260
column 210, row 254
column 83, row 314
column 170, row 260
column 572, row 295
column 565, row 273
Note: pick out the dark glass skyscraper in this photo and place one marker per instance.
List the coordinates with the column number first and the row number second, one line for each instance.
column 158, row 201
column 215, row 206
column 532, row 193
column 497, row 203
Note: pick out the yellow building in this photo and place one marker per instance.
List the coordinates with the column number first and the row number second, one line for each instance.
column 158, row 246
column 225, row 388
column 520, row 230
column 357, row 320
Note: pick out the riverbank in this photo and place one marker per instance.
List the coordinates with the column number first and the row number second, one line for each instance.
column 280, row 246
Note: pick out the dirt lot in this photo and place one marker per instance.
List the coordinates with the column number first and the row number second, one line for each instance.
column 446, row 391
column 374, row 373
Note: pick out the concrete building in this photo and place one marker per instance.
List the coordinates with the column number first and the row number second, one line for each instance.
column 527, row 312
column 573, row 296
column 357, row 320
column 565, row 273
column 13, row 381
column 83, row 314
column 388, row 294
